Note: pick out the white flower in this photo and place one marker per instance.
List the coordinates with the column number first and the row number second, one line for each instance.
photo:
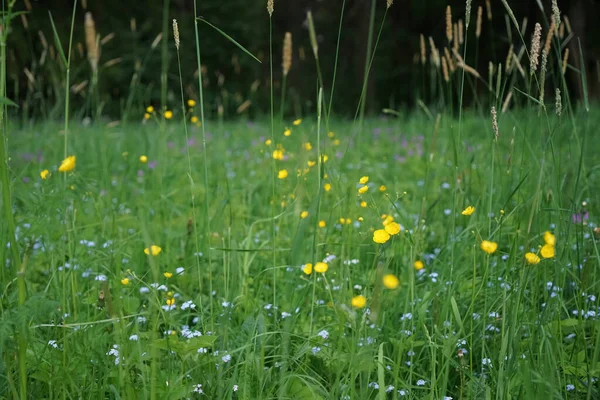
column 198, row 389
column 53, row 344
column 202, row 350
column 570, row 387
column 226, row 358
column 316, row 349
column 133, row 337
column 421, row 382
column 235, row 388
column 284, row 315
column 324, row 334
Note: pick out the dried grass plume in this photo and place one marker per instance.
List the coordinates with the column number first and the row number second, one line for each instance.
column 91, row 41
column 535, row 49
column 287, row 53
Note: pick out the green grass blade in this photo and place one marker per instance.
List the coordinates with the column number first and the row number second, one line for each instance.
column 232, row 40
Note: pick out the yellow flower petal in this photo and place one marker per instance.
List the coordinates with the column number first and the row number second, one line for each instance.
column 68, row 164
column 393, row 228
column 489, row 247
column 364, row 180
column 44, row 174
column 549, row 238
column 307, row 268
column 468, row 211
column 359, row 301
column 532, row 258
column 418, row 265
column 381, row 236
column 548, row 251
column 153, row 250
column 390, row 281
column 321, row 267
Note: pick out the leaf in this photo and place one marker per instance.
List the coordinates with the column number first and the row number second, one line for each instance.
column 5, row 101
column 232, row 40
column 61, row 52
column 456, row 313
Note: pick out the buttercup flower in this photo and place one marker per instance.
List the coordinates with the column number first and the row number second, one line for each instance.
column 547, row 251
column 125, row 281
column 307, row 268
column 364, row 180
column 532, row 258
column 359, row 301
column 287, row 132
column 68, row 164
column 143, row 159
column 168, row 114
column 382, row 188
column 153, row 250
column 549, row 238
column 194, row 119
column 489, row 247
column 468, row 211
column 149, row 109
column 146, row 116
column 321, row 267
column 381, row 236
column 297, row 122
column 390, row 281
column 282, row 174
column 322, row 224
column 168, row 274
column 418, row 265
column 363, row 204
column 44, row 174
column 304, row 214
column 327, row 187
column 307, row 146
column 393, row 228
column 171, row 301
column 278, row 154
column 191, row 103
column 363, row 189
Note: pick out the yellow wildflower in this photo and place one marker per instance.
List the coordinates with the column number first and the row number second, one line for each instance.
column 489, row 247
column 532, row 258
column 268, row 142
column 387, row 219
column 382, row 188
column 149, row 109
column 282, row 174
column 322, row 224
column 168, row 274
column 547, row 251
column 381, row 236
column 390, row 281
column 468, row 211
column 154, row 250
column 311, row 163
column 44, row 174
column 191, row 103
column 287, row 132
column 168, row 114
column 307, row 146
column 278, row 154
column 171, row 301
column 321, row 267
column 68, row 164
column 418, row 265
column 143, row 159
column 146, row 116
column 393, row 228
column 363, row 204
column 297, row 122
column 194, row 119
column 359, row 301
column 304, row 214
column 364, row 180
column 549, row 238
column 331, row 134
column 307, row 268
column 363, row 189
column 125, row 281
column 327, row 187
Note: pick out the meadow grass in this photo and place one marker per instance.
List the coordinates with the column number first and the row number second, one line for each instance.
column 498, row 324
column 414, row 256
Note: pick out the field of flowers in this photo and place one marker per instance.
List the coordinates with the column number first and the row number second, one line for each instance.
column 449, row 253
column 395, row 265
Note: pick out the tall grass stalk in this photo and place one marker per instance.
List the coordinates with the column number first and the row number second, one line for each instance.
column 335, row 63
column 189, row 162
column 7, row 206
column 273, row 164
column 368, row 61
column 205, row 162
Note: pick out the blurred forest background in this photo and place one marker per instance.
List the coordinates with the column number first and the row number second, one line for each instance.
column 130, row 61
